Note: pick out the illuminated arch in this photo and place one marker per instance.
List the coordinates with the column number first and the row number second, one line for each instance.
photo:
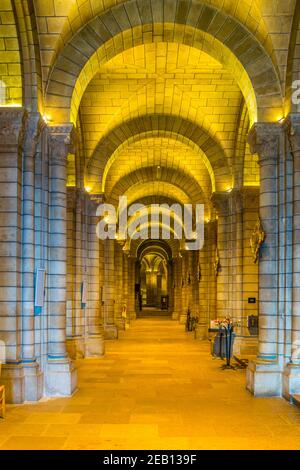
column 11, row 64
column 211, row 153
column 149, row 174
column 208, row 28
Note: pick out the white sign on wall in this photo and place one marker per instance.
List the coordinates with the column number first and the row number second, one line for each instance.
column 39, row 288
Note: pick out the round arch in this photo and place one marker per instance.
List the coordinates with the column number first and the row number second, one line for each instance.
column 177, row 178
column 211, row 153
column 219, row 34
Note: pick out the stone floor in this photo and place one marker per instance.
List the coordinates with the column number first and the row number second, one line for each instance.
column 156, row 388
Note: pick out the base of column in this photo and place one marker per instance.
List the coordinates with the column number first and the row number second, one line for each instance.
column 245, row 346
column 23, row 382
column 75, row 347
column 121, row 325
column 264, row 379
column 175, row 316
column 33, row 382
column 12, row 377
column 182, row 319
column 110, row 332
column 291, row 381
column 201, row 332
column 94, row 346
column 60, row 378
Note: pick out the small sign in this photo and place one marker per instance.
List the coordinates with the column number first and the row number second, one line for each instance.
column 83, row 294
column 39, row 290
column 252, row 300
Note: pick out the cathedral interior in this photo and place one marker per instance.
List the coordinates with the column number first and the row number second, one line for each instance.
column 170, row 104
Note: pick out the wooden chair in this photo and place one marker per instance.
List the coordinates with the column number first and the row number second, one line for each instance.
column 2, row 401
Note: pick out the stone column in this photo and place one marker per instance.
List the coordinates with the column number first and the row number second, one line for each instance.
column 220, row 201
column 12, row 127
column 61, row 375
column 291, row 384
column 131, row 289
column 119, row 296
column 125, row 287
column 264, row 377
column 94, row 337
column 76, row 271
column 110, row 328
column 33, row 383
column 236, row 256
column 203, row 288
column 184, row 288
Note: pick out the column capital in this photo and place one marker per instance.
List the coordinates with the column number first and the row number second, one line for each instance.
column 220, row 201
column 264, row 140
column 34, row 128
column 292, row 124
column 236, row 198
column 62, row 141
column 251, row 197
column 12, row 126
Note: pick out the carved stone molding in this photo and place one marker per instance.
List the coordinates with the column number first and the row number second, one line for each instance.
column 292, row 125
column 217, row 262
column 220, row 201
column 257, row 239
column 34, row 128
column 251, row 198
column 236, row 201
column 62, row 141
column 264, row 139
column 12, row 126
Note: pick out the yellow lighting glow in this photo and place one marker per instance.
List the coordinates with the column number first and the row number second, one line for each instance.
column 47, row 118
column 11, row 105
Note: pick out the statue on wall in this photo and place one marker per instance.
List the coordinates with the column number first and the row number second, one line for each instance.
column 217, row 263
column 257, row 239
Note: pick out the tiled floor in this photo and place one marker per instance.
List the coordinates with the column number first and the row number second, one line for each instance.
column 156, row 388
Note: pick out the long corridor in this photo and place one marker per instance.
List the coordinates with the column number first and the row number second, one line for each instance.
column 156, row 388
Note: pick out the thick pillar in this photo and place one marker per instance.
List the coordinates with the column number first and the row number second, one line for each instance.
column 110, row 328
column 264, row 376
column 33, row 377
column 177, row 288
column 220, row 201
column 61, row 375
column 76, row 270
column 184, row 287
column 94, row 337
column 12, row 127
column 291, row 385
column 119, row 296
column 131, row 312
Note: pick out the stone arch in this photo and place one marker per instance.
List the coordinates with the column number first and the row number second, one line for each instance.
column 149, row 174
column 162, row 247
column 203, row 165
column 211, row 150
column 164, row 212
column 189, row 22
column 11, row 76
column 170, row 247
column 30, row 55
column 157, row 189
column 293, row 63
